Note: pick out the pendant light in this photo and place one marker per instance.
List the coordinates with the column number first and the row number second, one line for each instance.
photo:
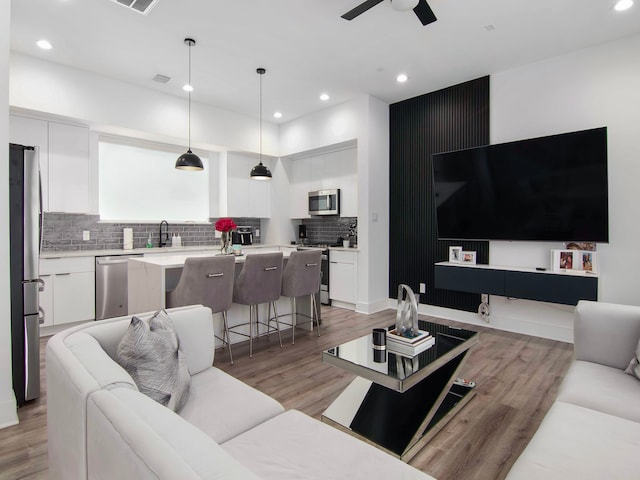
column 260, row 171
column 189, row 160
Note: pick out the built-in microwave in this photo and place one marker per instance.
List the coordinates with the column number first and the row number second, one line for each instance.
column 324, row 202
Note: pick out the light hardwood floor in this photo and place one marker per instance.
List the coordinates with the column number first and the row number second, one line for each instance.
column 517, row 377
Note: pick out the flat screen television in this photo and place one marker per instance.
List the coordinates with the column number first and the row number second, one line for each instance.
column 550, row 188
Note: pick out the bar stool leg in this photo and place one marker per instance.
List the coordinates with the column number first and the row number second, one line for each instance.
column 294, row 320
column 250, row 331
column 226, row 334
column 275, row 311
column 315, row 308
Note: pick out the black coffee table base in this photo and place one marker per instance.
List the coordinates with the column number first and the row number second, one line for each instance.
column 401, row 422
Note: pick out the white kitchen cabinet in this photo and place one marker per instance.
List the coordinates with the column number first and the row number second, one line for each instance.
column 342, row 277
column 63, row 154
column 246, row 197
column 69, row 289
column 68, row 168
column 299, row 189
column 321, row 172
column 34, row 133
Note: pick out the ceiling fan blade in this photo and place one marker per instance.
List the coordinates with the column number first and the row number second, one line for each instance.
column 360, row 9
column 424, row 13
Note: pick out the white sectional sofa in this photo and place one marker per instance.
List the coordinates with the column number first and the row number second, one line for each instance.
column 101, row 427
column 592, row 431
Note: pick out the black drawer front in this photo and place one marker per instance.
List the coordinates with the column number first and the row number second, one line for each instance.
column 562, row 289
column 469, row 279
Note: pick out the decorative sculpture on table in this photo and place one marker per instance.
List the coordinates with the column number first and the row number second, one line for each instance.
column 407, row 312
column 225, row 226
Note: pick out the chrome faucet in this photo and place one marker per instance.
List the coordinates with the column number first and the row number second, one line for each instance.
column 164, row 235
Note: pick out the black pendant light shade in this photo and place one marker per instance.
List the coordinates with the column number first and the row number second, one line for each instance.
column 260, row 171
column 189, row 160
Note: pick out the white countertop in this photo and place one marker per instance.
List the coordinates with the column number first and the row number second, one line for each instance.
column 177, row 250
column 177, row 260
column 142, row 251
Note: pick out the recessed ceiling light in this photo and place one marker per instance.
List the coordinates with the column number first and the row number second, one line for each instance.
column 277, row 115
column 622, row 5
column 187, row 88
column 44, row 44
column 402, row 78
column 324, row 97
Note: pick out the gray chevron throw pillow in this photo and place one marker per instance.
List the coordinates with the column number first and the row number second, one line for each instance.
column 150, row 352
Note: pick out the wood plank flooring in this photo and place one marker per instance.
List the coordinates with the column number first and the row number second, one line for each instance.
column 517, row 377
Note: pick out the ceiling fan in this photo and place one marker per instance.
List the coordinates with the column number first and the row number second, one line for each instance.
column 420, row 7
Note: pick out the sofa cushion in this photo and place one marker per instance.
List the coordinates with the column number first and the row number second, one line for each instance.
column 294, row 445
column 223, row 406
column 151, row 353
column 578, row 443
column 634, row 364
column 131, row 436
column 606, row 389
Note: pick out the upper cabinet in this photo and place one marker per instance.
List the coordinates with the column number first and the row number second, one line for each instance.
column 330, row 170
column 34, row 133
column 246, row 197
column 63, row 153
column 68, row 168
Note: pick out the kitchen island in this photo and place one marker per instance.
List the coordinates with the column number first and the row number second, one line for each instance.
column 150, row 278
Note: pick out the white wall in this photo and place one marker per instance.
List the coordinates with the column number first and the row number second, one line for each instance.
column 8, row 414
column 594, row 87
column 112, row 106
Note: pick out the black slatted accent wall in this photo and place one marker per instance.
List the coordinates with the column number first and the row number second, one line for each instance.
column 450, row 119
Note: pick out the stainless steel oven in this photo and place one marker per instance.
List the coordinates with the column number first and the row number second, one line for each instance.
column 324, row 202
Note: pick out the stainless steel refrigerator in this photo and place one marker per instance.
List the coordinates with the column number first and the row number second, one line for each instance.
column 24, row 232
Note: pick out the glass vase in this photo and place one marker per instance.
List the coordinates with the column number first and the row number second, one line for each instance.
column 225, row 242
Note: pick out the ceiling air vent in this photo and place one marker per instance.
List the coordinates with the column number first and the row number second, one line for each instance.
column 140, row 6
column 161, row 78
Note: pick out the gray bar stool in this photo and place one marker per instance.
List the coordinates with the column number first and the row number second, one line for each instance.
column 301, row 277
column 258, row 282
column 207, row 281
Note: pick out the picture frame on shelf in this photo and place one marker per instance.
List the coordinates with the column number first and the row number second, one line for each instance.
column 589, row 261
column 455, row 254
column 565, row 260
column 468, row 257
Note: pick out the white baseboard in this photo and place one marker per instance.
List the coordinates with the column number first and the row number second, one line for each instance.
column 8, row 413
column 370, row 308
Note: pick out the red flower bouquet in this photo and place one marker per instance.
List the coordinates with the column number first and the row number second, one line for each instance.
column 225, row 225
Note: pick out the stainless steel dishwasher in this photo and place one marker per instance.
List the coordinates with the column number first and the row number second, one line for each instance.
column 111, row 286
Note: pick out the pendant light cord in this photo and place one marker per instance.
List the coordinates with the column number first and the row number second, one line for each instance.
column 190, row 88
column 261, row 119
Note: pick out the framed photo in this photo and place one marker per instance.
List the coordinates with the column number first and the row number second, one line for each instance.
column 565, row 260
column 468, row 257
column 455, row 254
column 589, row 261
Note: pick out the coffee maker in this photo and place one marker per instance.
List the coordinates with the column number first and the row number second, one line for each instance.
column 242, row 236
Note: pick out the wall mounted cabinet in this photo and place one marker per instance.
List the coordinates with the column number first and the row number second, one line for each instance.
column 326, row 171
column 526, row 283
column 63, row 153
column 246, row 197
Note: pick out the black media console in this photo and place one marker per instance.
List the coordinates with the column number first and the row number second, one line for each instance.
column 526, row 283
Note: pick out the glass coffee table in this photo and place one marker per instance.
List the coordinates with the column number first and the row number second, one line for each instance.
column 399, row 403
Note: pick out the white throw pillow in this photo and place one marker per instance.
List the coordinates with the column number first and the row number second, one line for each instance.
column 150, row 352
column 634, row 364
